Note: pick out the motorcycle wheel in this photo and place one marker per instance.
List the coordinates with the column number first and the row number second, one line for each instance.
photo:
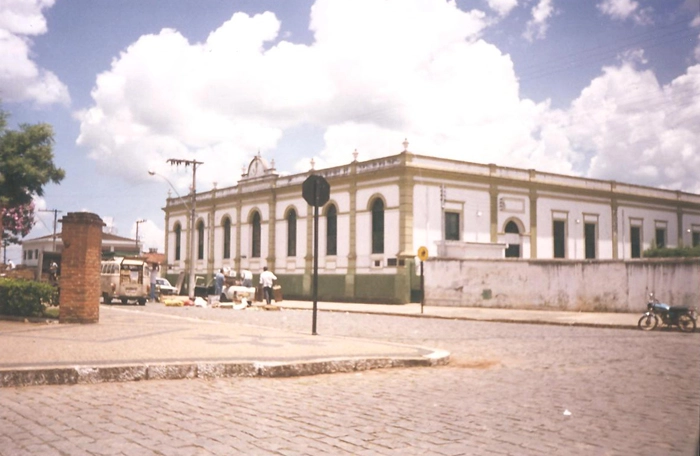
column 686, row 323
column 648, row 322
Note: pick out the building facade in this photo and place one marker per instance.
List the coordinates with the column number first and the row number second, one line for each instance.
column 381, row 211
column 33, row 249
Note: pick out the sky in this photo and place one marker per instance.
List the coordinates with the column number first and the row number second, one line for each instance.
column 606, row 89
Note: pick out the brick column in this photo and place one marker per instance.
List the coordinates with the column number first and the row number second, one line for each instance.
column 80, row 268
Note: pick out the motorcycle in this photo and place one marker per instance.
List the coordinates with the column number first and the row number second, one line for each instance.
column 683, row 317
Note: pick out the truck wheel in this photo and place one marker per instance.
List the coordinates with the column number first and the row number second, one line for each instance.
column 142, row 302
column 106, row 299
column 125, row 301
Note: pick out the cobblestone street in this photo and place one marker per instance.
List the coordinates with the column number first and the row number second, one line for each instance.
column 509, row 389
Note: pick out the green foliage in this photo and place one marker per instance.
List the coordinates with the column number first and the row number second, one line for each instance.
column 678, row 252
column 26, row 161
column 25, row 298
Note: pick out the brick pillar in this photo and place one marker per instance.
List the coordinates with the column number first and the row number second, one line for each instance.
column 80, row 268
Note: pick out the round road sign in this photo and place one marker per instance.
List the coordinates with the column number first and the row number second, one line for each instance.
column 423, row 253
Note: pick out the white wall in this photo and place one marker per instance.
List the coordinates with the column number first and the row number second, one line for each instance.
column 577, row 214
column 472, row 204
column 619, row 286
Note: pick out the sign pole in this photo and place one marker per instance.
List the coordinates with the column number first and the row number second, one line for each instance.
column 422, row 256
column 422, row 293
column 316, row 192
column 315, row 281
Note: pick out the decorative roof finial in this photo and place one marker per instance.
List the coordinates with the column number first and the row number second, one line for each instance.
column 258, row 152
column 243, row 170
column 215, row 184
column 405, row 145
column 272, row 163
column 313, row 163
column 354, row 155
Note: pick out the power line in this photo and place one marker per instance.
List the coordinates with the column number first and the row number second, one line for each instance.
column 55, row 223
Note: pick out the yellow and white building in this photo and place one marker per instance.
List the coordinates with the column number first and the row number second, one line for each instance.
column 381, row 211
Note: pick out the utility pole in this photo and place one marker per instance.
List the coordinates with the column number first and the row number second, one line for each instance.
column 193, row 163
column 138, row 222
column 55, row 222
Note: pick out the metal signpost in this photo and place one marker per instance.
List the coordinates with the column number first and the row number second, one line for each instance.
column 422, row 256
column 316, row 191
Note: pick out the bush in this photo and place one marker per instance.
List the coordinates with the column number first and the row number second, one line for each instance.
column 678, row 252
column 25, row 298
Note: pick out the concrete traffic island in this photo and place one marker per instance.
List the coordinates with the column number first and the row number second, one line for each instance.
column 129, row 345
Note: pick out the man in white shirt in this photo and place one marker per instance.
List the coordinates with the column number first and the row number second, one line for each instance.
column 266, row 280
column 247, row 277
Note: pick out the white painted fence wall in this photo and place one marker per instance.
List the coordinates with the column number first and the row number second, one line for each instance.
column 614, row 286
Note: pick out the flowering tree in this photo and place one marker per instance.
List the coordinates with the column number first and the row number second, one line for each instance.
column 17, row 223
column 26, row 166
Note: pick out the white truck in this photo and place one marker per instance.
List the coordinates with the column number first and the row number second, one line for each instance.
column 126, row 279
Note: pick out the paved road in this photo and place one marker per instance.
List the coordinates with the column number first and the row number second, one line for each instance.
column 510, row 389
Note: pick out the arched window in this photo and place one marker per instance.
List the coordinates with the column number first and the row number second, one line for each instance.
column 255, row 253
column 200, row 240
column 291, row 233
column 513, row 249
column 178, row 241
column 378, row 226
column 227, row 237
column 331, row 230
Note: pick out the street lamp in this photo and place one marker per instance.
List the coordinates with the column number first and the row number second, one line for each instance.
column 138, row 222
column 182, row 200
column 192, row 209
column 190, row 230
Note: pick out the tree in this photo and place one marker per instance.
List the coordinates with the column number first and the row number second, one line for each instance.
column 26, row 166
column 18, row 222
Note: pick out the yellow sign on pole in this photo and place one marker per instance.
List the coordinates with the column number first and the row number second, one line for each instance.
column 422, row 253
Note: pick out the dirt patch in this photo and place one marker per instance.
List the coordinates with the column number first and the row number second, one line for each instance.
column 465, row 363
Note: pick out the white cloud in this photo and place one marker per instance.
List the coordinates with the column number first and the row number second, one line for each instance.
column 20, row 78
column 502, row 7
column 696, row 52
column 24, row 17
column 537, row 26
column 236, row 93
column 625, row 120
column 463, row 104
column 417, row 69
column 625, row 9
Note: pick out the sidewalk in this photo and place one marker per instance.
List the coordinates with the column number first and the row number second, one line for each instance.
column 597, row 319
column 129, row 345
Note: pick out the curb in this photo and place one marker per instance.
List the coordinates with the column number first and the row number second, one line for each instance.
column 179, row 371
column 489, row 320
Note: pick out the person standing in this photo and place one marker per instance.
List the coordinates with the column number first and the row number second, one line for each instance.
column 247, row 277
column 219, row 282
column 154, row 277
column 53, row 271
column 267, row 278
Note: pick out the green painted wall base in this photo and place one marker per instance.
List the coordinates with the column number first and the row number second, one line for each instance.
column 369, row 288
